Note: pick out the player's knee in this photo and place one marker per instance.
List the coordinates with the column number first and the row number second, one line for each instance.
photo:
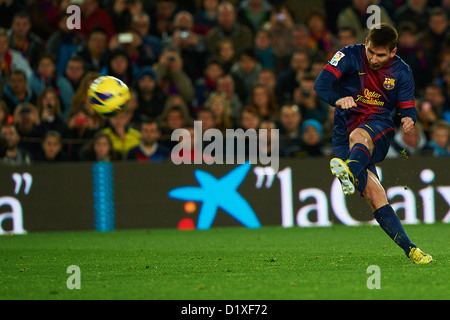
column 360, row 136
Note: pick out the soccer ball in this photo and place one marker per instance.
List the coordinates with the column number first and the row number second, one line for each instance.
column 108, row 96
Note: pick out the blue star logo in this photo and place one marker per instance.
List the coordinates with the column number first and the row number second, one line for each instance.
column 219, row 193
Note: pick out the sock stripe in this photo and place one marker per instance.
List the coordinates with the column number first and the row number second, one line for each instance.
column 363, row 149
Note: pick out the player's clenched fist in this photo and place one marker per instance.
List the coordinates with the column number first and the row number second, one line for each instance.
column 408, row 124
column 345, row 103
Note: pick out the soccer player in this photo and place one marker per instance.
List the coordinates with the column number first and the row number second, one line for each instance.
column 365, row 82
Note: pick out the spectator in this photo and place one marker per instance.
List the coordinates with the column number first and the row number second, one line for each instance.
column 64, row 43
column 15, row 155
column 11, row 60
column 226, row 54
column 172, row 79
column 131, row 43
column 208, row 119
column 300, row 41
column 75, row 71
column 322, row 41
column 225, row 84
column 436, row 35
column 190, row 45
column 408, row 144
column 431, row 107
column 253, row 13
column 51, row 149
column 165, row 13
column 443, row 82
column 150, row 97
column 265, row 145
column 263, row 100
column 290, row 121
column 92, row 16
column 98, row 149
column 317, row 66
column 414, row 54
column 245, row 73
column 151, row 45
column 49, row 108
column 228, row 27
column 81, row 127
column 289, row 126
column 268, row 79
column 219, row 104
column 206, row 18
column 281, row 28
column 264, row 49
column 23, row 40
column 310, row 105
column 46, row 76
column 207, row 84
column 312, row 142
column 414, row 11
column 346, row 36
column 288, row 80
column 45, row 16
column 16, row 90
column 175, row 116
column 250, row 118
column 149, row 150
column 122, row 135
column 121, row 13
column 94, row 52
column 120, row 66
column 27, row 121
column 356, row 16
column 439, row 144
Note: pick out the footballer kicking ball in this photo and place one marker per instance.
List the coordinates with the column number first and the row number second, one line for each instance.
column 108, row 96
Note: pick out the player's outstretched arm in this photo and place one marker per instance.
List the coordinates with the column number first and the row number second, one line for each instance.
column 324, row 87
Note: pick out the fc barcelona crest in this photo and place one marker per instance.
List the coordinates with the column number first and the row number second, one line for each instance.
column 389, row 83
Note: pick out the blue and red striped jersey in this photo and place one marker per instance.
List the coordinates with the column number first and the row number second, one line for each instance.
column 376, row 92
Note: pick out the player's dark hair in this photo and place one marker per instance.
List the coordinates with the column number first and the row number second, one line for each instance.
column 383, row 35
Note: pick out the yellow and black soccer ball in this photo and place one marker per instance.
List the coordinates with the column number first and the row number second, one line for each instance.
column 109, row 96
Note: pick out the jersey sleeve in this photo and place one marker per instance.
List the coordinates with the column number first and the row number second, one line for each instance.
column 342, row 62
column 406, row 101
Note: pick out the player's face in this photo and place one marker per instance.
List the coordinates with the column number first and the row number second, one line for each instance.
column 378, row 56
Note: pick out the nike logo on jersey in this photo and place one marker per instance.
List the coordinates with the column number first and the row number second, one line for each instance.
column 361, row 73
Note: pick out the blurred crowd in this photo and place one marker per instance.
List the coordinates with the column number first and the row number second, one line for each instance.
column 231, row 64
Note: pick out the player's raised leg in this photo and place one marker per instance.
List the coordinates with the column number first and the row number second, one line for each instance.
column 352, row 171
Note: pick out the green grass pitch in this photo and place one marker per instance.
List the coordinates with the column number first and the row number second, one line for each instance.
column 234, row 263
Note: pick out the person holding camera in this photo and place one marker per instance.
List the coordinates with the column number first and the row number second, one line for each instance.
column 191, row 45
column 171, row 76
column 49, row 108
column 309, row 103
column 27, row 121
